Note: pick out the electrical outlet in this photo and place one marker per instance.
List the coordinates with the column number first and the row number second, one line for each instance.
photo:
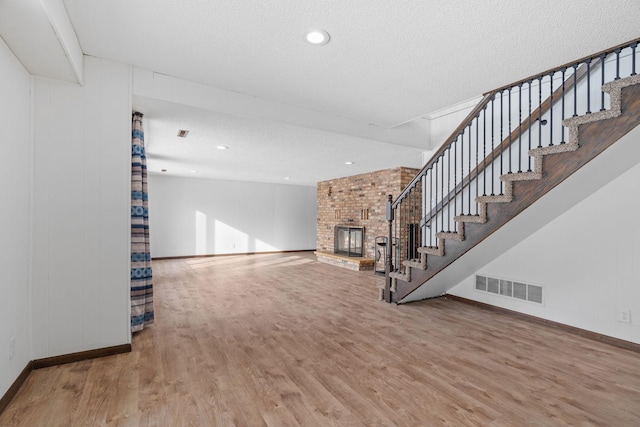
column 12, row 348
column 624, row 315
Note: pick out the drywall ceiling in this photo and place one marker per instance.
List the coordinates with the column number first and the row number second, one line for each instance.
column 259, row 150
column 388, row 61
column 388, row 65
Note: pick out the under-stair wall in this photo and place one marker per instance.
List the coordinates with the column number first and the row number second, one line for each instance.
column 585, row 261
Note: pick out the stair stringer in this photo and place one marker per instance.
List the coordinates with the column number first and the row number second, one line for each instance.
column 609, row 125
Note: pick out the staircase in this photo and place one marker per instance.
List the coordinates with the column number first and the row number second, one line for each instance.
column 473, row 186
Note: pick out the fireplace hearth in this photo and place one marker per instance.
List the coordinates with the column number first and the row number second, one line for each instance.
column 349, row 241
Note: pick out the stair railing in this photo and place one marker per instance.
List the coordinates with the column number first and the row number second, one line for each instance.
column 494, row 140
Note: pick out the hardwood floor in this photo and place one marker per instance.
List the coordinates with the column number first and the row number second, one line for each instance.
column 282, row 340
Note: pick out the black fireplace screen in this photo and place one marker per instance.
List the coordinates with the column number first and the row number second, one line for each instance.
column 349, row 240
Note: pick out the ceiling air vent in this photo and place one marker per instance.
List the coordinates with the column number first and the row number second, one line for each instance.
column 183, row 133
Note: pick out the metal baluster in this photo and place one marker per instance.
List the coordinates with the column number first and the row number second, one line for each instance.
column 469, row 170
column 462, row 171
column 455, row 177
column 395, row 233
column 529, row 157
column 575, row 90
column 602, row 58
column 426, row 197
column 410, row 210
column 412, row 200
column 415, row 219
column 414, row 212
column 448, row 151
column 617, row 64
column 519, row 127
column 509, row 130
column 540, row 112
column 501, row 139
column 564, row 70
column 405, row 204
column 431, row 198
column 442, row 192
column 400, row 238
column 405, row 229
column 435, row 214
column 477, row 152
column 551, row 109
column 484, row 151
column 421, row 231
column 588, row 61
column 401, row 243
column 633, row 58
column 411, row 221
column 397, row 227
column 493, row 165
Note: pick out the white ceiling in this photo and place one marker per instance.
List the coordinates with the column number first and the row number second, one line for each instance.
column 389, row 63
column 259, row 150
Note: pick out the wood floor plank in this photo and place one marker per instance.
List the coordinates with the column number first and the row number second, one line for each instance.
column 282, row 340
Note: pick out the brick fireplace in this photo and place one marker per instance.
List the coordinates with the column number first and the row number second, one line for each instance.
column 358, row 201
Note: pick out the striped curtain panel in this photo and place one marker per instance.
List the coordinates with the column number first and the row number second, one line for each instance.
column 141, row 277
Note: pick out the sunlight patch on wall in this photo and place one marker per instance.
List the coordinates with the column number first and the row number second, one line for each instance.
column 261, row 246
column 201, row 233
column 230, row 240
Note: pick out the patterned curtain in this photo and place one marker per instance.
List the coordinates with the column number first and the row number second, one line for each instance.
column 141, row 283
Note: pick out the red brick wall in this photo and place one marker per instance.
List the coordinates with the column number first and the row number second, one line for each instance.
column 358, row 201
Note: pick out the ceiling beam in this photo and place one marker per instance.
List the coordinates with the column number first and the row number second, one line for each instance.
column 41, row 36
column 149, row 84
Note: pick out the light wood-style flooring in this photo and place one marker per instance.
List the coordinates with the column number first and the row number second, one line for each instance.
column 282, row 340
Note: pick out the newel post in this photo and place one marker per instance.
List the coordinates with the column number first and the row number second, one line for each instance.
column 388, row 266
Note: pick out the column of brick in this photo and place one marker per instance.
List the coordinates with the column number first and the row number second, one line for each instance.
column 358, row 201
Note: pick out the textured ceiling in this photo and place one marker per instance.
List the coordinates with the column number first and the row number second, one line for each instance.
column 389, row 62
column 259, row 150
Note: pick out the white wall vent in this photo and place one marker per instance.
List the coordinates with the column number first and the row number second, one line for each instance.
column 509, row 288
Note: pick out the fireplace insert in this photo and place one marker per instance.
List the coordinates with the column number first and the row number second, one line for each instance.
column 348, row 240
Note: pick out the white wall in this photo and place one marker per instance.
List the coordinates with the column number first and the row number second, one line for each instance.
column 81, row 211
column 190, row 216
column 15, row 229
column 442, row 123
column 587, row 265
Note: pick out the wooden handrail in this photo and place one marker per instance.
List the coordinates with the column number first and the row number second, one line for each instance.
column 485, row 100
column 444, row 146
column 535, row 115
column 568, row 65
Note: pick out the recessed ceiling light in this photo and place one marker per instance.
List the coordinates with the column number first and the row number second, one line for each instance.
column 222, row 147
column 194, row 171
column 286, row 178
column 182, row 133
column 348, row 163
column 317, row 37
